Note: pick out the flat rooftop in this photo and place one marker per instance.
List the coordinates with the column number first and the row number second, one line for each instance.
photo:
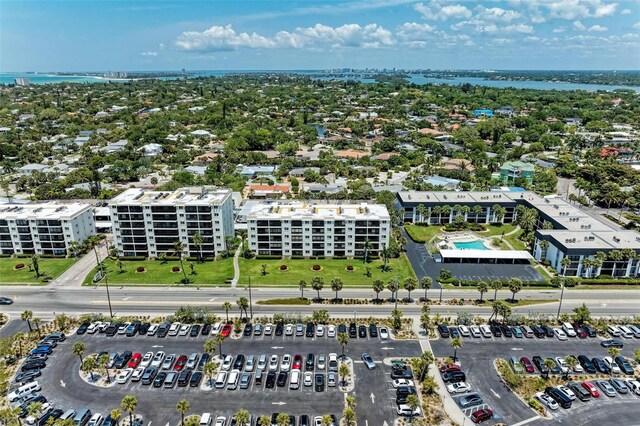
column 454, row 197
column 485, row 254
column 319, row 211
column 41, row 211
column 594, row 240
column 181, row 196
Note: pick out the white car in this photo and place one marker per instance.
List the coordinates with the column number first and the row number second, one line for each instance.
column 221, row 380
column 475, row 331
column 168, row 362
column 405, row 410
column 184, row 330
column 288, row 330
column 559, row 333
column 192, row 361
column 273, row 363
column 158, row 359
column 215, row 329
column 486, row 331
column 402, row 382
column 96, row 420
column 614, row 331
column 320, row 330
column 460, row 387
column 634, row 386
column 153, row 329
column 578, row 368
column 262, row 362
column 226, row 364
column 103, row 327
column 562, row 364
column 123, row 328
column 137, row 374
column 546, row 400
column 308, row 378
column 568, row 392
column 285, row 365
column 322, row 362
column 174, row 329
column 146, row 359
column 384, row 333
column 124, row 376
column 94, row 327
column 331, row 331
column 221, row 421
column 464, row 330
column 613, row 366
column 268, row 329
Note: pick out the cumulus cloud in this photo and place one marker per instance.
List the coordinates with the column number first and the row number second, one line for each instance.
column 435, row 11
column 519, row 28
column 597, row 28
column 625, row 12
column 413, row 31
column 149, row 53
column 497, row 14
column 636, row 26
column 570, row 10
column 559, row 30
column 605, row 10
column 579, row 26
column 318, row 36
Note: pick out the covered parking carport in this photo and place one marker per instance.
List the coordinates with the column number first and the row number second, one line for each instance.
column 511, row 257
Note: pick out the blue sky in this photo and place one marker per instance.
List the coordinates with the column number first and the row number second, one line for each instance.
column 172, row 34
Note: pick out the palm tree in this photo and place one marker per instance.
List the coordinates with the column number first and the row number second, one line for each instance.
column 478, row 210
column 302, row 284
column 413, row 402
column 35, row 263
column 336, row 285
column 367, row 245
column 456, row 343
column 426, row 283
column 182, row 407
column 616, row 256
column 549, row 363
column 326, row 420
column 227, row 307
column 437, row 210
column 283, row 419
column 178, row 250
column 197, row 242
column 496, row 285
column 78, row 349
column 243, row 305
column 34, row 409
column 378, row 286
column 392, row 285
column 115, row 415
column 210, row 346
column 515, row 285
column 317, row 284
column 264, row 421
column 242, row 418
column 385, row 257
column 343, row 340
column 348, row 416
column 210, row 369
column 219, row 339
column 89, row 365
column 571, row 362
column 498, row 212
column 27, row 316
column 103, row 362
column 422, row 212
column 410, row 284
column 482, row 287
column 343, row 372
column 36, row 322
column 129, row 404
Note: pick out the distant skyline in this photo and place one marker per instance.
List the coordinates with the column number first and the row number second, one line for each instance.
column 274, row 35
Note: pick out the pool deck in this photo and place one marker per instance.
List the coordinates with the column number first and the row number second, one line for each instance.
column 449, row 241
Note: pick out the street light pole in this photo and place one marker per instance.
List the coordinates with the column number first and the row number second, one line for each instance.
column 106, row 280
column 397, row 289
column 564, row 281
column 250, row 299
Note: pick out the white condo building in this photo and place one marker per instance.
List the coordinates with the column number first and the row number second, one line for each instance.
column 308, row 229
column 147, row 223
column 46, row 229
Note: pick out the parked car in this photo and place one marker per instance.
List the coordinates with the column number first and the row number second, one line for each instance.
column 592, row 389
column 558, row 396
column 460, row 387
column 580, row 391
column 606, row 388
column 611, row 343
column 624, row 365
column 546, row 400
column 368, row 361
column 619, row 385
column 481, row 415
column 470, row 400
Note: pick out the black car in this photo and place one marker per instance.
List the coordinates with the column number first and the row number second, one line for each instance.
column 444, row 331
column 163, row 329
column 195, row 330
column 342, row 328
column 5, row 301
column 271, row 380
column 248, row 329
column 159, row 380
column 205, row 330
column 279, row 329
column 53, row 414
column 560, row 397
column 309, row 364
column 57, row 336
column 183, row 378
column 83, row 328
column 496, row 330
column 580, row 392
column 148, row 375
column 353, row 330
column 239, row 362
column 548, row 331
column 195, row 380
column 282, row 378
column 538, row 331
column 28, row 376
column 122, row 360
column 362, row 332
column 453, row 331
column 539, row 362
column 373, row 331
column 612, row 343
column 112, row 329
column 33, row 365
column 144, row 328
column 624, row 365
column 401, row 372
column 590, row 330
column 310, row 330
column 109, row 421
column 406, row 390
column 319, row 382
column 587, row 364
column 304, row 420
column 506, row 331
column 454, row 376
column 203, row 360
column 600, row 365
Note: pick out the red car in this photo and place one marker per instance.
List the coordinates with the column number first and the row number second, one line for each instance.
column 481, row 415
column 297, row 362
column 226, row 330
column 180, row 363
column 450, row 367
column 592, row 389
column 135, row 360
column 526, row 363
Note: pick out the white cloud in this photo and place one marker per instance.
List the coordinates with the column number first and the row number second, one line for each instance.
column 413, row 31
column 318, row 36
column 625, row 12
column 597, row 28
column 532, row 38
column 636, row 26
column 162, row 46
column 503, row 41
column 497, row 14
column 149, row 53
column 579, row 26
column 605, row 10
column 519, row 28
column 568, row 9
column 435, row 11
column 559, row 30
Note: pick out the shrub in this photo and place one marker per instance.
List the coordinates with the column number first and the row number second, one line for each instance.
column 291, row 301
column 316, row 267
column 175, row 269
column 140, row 269
column 19, row 266
column 284, row 267
column 350, row 268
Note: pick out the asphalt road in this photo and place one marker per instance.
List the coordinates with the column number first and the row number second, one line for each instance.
column 477, row 356
column 62, row 384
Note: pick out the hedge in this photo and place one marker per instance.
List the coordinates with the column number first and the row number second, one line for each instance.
column 290, row 301
column 505, row 284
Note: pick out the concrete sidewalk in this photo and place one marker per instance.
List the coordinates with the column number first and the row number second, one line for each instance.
column 75, row 275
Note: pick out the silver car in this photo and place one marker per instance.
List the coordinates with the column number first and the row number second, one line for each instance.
column 606, row 388
column 368, row 361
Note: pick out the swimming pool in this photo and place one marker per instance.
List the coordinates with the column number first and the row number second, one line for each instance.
column 476, row 245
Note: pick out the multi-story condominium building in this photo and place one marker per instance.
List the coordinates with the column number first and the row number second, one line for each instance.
column 45, row 229
column 593, row 246
column 147, row 223
column 318, row 229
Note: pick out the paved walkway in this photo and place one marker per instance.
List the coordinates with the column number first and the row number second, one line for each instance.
column 421, row 261
column 236, row 267
column 75, row 275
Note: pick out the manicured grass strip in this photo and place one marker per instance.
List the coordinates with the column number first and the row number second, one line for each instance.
column 291, row 301
column 48, row 268
column 301, row 269
column 158, row 273
column 422, row 234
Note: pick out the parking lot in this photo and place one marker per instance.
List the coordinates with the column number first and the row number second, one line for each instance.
column 477, row 357
column 63, row 386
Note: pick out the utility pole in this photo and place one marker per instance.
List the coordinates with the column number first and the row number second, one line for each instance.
column 250, row 300
column 564, row 281
column 106, row 280
column 397, row 289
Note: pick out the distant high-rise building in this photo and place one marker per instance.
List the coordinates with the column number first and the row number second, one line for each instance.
column 22, row 82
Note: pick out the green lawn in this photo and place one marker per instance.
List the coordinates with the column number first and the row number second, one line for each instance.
column 422, row 234
column 48, row 268
column 497, row 230
column 301, row 269
column 158, row 273
column 515, row 242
